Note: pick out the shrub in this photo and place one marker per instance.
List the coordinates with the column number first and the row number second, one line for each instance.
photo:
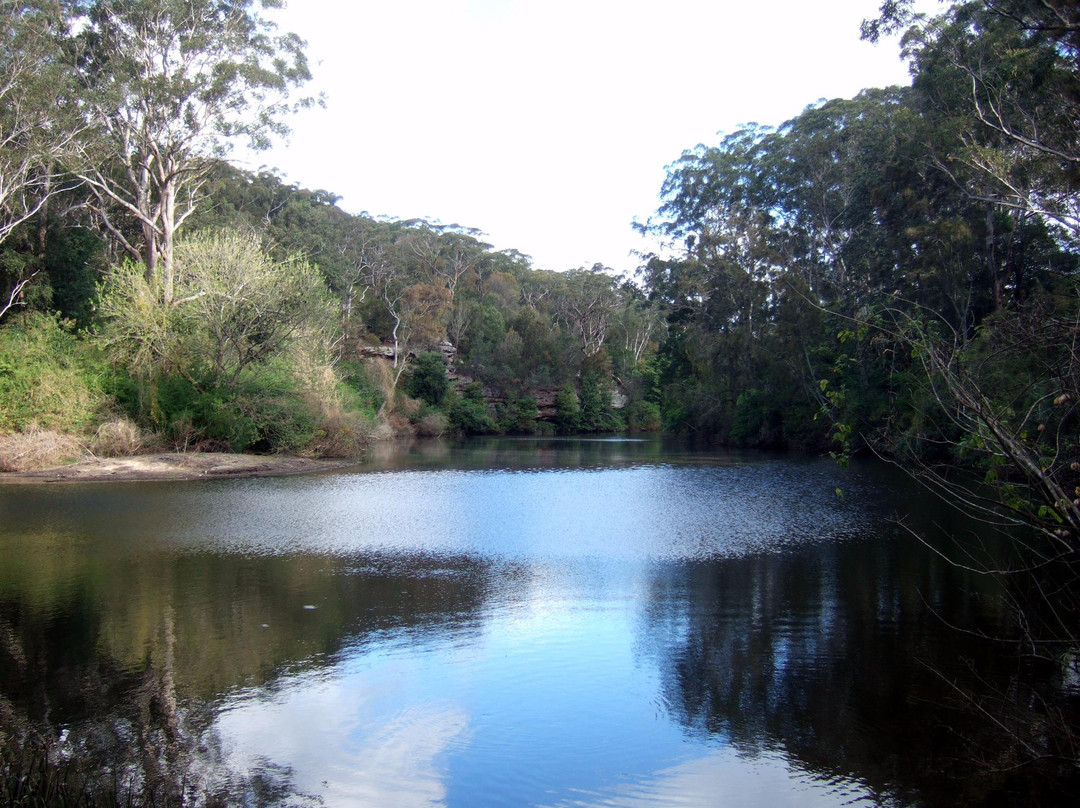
column 597, row 413
column 520, row 416
column 120, row 437
column 427, row 379
column 567, row 411
column 757, row 421
column 360, row 391
column 469, row 414
column 340, row 433
column 49, row 379
column 432, row 425
column 644, row 416
column 233, row 310
column 593, row 405
column 266, row 412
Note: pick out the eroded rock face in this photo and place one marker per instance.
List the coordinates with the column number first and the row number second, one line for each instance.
column 446, row 348
column 380, row 351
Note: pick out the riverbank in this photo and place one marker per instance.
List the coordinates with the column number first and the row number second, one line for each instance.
column 173, row 466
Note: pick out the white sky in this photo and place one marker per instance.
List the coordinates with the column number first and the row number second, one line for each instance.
column 547, row 124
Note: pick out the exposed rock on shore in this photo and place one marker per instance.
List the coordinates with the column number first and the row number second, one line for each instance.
column 174, row 466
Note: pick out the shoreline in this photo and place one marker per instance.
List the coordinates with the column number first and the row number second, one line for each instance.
column 173, row 466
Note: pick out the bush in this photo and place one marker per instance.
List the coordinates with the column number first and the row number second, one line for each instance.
column 120, row 437
column 342, row 423
column 266, row 412
column 432, row 425
column 520, row 416
column 359, row 390
column 340, row 433
column 567, row 411
column 271, row 404
column 49, row 379
column 757, row 421
column 471, row 417
column 233, row 310
column 644, row 416
column 426, row 379
column 597, row 414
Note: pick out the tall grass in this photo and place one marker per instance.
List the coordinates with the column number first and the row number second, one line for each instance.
column 49, row 379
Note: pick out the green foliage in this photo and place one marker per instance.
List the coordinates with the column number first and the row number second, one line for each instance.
column 644, row 416
column 567, row 411
column 843, row 212
column 74, row 259
column 233, row 308
column 427, row 380
column 519, row 416
column 219, row 364
column 468, row 412
column 758, row 421
column 471, row 417
column 265, row 411
column 361, row 392
column 48, row 377
column 597, row 413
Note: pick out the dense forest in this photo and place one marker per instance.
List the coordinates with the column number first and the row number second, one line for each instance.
column 895, row 272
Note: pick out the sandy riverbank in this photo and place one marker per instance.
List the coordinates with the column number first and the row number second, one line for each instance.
column 173, row 466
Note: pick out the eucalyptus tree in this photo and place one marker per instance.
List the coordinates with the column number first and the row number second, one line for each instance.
column 415, row 303
column 169, row 87
column 37, row 124
column 1000, row 82
column 1005, row 76
column 640, row 325
column 586, row 303
column 449, row 254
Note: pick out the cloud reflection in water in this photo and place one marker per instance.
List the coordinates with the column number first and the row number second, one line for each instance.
column 349, row 742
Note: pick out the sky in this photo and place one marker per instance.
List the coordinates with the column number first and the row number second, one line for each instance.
column 547, row 124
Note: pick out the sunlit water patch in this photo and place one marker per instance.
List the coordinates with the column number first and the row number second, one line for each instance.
column 642, row 513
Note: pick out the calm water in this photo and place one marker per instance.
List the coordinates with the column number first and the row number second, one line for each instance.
column 549, row 623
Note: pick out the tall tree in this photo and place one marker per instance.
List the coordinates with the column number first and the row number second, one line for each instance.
column 36, row 130
column 1005, row 76
column 170, row 86
column 586, row 304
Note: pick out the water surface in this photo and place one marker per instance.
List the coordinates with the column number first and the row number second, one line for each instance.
column 500, row 622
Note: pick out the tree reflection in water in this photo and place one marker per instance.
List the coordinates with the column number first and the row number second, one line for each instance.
column 853, row 674
column 116, row 690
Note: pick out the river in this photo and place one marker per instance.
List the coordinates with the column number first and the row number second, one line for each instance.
column 511, row 622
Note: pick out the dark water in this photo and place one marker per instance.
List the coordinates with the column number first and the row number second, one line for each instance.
column 550, row 623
